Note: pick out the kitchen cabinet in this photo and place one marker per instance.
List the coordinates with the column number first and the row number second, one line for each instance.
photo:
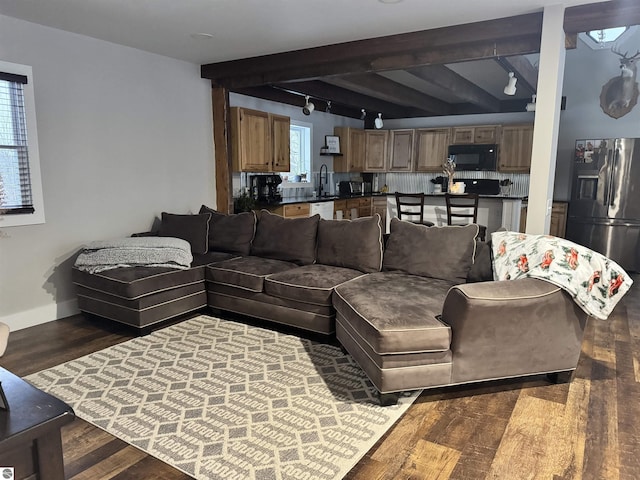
column 259, row 141
column 401, row 150
column 379, row 205
column 431, row 149
column 375, row 150
column 340, row 206
column 558, row 221
column 292, row 210
column 353, row 146
column 477, row 134
column 514, row 151
column 361, row 206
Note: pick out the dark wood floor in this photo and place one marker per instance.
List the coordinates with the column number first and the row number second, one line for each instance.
column 525, row 429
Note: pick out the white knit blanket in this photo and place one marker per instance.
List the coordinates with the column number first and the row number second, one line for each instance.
column 104, row 255
column 595, row 282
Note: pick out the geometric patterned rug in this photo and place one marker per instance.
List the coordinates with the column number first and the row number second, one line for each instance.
column 219, row 399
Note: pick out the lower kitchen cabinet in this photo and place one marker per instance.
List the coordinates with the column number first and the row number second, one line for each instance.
column 292, row 210
column 558, row 223
column 379, row 205
column 358, row 207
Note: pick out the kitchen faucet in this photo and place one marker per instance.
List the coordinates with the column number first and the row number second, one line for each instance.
column 320, row 179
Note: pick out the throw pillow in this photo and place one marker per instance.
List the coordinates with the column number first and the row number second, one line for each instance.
column 482, row 268
column 288, row 239
column 353, row 244
column 445, row 253
column 192, row 228
column 231, row 233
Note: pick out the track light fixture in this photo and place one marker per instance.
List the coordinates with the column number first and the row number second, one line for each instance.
column 328, row 109
column 510, row 89
column 308, row 106
column 531, row 106
column 378, row 121
column 363, row 114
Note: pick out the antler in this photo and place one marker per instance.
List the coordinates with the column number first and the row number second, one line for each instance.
column 623, row 55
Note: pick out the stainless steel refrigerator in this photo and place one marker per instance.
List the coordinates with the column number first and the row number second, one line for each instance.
column 604, row 212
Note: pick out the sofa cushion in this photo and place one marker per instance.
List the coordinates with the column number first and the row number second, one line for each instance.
column 395, row 312
column 288, row 239
column 246, row 272
column 231, row 233
column 308, row 284
column 445, row 253
column 136, row 282
column 353, row 244
column 192, row 228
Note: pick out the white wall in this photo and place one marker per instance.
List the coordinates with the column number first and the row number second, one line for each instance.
column 123, row 135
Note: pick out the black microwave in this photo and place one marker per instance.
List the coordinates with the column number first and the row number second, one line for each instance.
column 474, row 156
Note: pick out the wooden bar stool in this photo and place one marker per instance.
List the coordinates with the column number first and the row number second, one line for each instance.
column 465, row 207
column 407, row 203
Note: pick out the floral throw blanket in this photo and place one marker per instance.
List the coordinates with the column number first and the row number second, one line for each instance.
column 595, row 282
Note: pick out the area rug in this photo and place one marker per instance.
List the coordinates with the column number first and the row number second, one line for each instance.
column 219, row 399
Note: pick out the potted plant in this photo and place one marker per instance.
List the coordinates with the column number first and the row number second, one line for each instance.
column 505, row 186
column 244, row 202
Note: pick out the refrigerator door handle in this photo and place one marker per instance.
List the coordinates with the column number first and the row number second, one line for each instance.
column 612, row 175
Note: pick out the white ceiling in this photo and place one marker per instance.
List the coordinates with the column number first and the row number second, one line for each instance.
column 245, row 28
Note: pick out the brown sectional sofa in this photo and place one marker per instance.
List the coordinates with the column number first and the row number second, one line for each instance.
column 421, row 312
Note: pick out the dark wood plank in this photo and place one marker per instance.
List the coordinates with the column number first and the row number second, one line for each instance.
column 222, row 146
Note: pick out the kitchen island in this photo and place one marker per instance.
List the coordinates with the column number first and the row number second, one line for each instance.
column 494, row 211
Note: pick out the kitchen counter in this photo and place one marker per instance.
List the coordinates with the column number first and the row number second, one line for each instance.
column 292, row 200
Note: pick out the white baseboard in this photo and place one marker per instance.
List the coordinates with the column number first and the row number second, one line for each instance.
column 40, row 315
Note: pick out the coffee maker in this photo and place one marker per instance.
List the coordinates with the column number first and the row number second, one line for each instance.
column 264, row 188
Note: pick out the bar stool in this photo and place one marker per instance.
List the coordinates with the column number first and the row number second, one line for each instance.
column 464, row 206
column 406, row 204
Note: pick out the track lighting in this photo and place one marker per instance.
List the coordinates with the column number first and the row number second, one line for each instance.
column 531, row 106
column 378, row 121
column 510, row 89
column 308, row 106
column 328, row 109
column 363, row 114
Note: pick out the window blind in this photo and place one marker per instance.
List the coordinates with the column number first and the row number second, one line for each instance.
column 15, row 179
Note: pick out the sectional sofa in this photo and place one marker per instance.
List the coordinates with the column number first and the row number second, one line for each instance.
column 416, row 309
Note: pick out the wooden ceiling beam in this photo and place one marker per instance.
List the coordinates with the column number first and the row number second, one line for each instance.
column 597, row 16
column 463, row 89
column 505, row 36
column 390, row 91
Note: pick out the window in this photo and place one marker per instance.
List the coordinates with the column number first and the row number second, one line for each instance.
column 300, row 149
column 20, row 187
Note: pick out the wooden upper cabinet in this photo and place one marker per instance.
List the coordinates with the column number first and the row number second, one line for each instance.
column 259, row 141
column 401, row 150
column 477, row 134
column 432, row 145
column 514, row 152
column 460, row 135
column 280, row 142
column 486, row 134
column 353, row 146
column 376, row 146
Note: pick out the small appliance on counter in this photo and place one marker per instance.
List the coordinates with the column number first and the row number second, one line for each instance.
column 348, row 188
column 264, row 188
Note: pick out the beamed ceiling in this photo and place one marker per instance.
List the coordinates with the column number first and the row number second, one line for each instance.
column 452, row 70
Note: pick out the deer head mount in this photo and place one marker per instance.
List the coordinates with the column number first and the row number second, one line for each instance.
column 620, row 94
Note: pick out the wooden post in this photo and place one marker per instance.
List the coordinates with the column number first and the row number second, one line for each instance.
column 222, row 148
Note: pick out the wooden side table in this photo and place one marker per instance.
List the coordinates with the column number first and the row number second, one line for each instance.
column 30, row 439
